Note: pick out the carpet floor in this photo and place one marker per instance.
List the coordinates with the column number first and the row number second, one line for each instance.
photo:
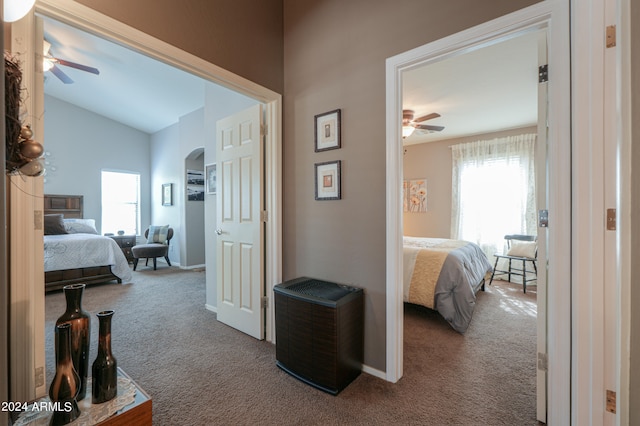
column 199, row 371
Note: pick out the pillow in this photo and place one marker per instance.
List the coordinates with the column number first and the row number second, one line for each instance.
column 54, row 225
column 158, row 234
column 523, row 249
column 80, row 226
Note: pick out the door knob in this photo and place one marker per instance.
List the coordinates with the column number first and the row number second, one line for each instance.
column 219, row 231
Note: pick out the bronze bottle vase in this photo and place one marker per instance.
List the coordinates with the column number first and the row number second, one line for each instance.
column 104, row 371
column 80, row 322
column 65, row 386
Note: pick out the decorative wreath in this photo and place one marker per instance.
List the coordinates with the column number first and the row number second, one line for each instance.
column 22, row 153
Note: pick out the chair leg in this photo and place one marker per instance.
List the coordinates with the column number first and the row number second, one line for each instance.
column 135, row 263
column 524, row 276
column 495, row 266
column 154, row 263
column 509, row 273
column 167, row 259
column 146, row 263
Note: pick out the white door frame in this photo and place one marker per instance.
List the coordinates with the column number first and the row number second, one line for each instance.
column 554, row 15
column 87, row 19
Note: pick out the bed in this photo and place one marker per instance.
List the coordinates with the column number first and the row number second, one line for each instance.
column 73, row 252
column 444, row 275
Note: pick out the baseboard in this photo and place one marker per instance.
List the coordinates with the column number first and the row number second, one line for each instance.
column 202, row 266
column 211, row 308
column 374, row 372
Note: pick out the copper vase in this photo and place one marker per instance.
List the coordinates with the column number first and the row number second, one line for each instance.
column 104, row 371
column 80, row 322
column 65, row 386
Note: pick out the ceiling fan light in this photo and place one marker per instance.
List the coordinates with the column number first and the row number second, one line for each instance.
column 16, row 9
column 46, row 65
column 407, row 131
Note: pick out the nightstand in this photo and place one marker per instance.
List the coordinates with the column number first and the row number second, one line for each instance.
column 125, row 242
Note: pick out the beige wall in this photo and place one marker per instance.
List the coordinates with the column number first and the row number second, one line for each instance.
column 241, row 36
column 433, row 162
column 334, row 57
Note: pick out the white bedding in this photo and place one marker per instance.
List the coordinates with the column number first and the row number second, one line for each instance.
column 71, row 251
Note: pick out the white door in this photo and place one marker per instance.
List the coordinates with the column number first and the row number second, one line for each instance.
column 541, row 195
column 240, row 234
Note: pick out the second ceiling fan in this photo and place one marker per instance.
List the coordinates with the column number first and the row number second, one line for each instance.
column 409, row 124
column 50, row 62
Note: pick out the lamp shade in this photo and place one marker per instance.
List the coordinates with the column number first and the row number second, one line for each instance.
column 16, row 9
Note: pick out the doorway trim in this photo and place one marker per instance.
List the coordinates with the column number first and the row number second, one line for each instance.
column 89, row 20
column 553, row 15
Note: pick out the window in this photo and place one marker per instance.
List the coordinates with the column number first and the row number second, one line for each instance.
column 120, row 202
column 493, row 191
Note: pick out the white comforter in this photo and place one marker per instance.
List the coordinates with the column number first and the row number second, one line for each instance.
column 70, row 251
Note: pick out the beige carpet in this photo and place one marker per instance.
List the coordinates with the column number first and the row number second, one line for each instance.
column 201, row 372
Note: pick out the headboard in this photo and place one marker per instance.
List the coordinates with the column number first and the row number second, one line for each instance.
column 69, row 205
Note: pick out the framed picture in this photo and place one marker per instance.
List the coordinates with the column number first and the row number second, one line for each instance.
column 195, row 177
column 210, row 174
column 328, row 180
column 414, row 193
column 167, row 194
column 195, row 193
column 327, row 129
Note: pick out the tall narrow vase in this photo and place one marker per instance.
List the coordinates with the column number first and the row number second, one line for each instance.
column 66, row 382
column 104, row 371
column 80, row 322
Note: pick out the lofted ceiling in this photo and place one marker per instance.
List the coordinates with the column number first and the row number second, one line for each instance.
column 485, row 90
column 131, row 88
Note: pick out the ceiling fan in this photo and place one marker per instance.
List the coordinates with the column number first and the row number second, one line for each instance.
column 49, row 64
column 409, row 124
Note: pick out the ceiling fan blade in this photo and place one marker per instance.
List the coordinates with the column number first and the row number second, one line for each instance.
column 78, row 66
column 427, row 117
column 430, row 128
column 61, row 75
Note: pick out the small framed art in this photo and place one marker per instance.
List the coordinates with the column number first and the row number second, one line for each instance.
column 328, row 180
column 167, row 194
column 211, row 178
column 327, row 129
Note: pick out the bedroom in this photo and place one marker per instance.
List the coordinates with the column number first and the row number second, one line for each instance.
column 489, row 94
column 158, row 145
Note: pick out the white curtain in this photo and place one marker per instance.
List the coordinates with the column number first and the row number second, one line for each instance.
column 493, row 191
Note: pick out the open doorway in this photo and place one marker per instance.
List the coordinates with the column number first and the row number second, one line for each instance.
column 558, row 172
column 481, row 108
column 31, row 343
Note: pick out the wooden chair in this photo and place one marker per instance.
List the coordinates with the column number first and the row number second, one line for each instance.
column 520, row 248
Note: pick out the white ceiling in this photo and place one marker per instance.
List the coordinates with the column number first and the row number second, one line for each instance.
column 489, row 89
column 131, row 88
column 485, row 90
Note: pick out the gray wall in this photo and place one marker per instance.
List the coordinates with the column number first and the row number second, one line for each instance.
column 335, row 54
column 81, row 144
column 167, row 168
column 242, row 36
column 333, row 57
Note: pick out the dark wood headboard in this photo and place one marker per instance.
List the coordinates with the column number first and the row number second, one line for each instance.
column 68, row 205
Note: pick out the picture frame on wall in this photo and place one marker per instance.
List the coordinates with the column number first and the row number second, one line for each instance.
column 328, row 180
column 211, row 178
column 167, row 194
column 327, row 130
